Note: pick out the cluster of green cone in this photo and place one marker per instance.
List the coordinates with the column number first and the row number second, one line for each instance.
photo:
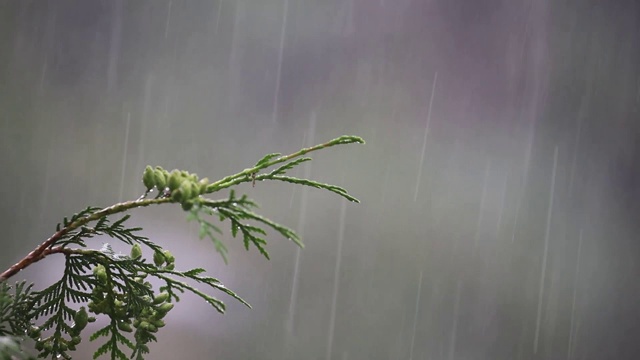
column 183, row 187
column 155, row 310
column 80, row 320
column 149, row 317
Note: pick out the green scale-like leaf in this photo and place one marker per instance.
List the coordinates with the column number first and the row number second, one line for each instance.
column 115, row 286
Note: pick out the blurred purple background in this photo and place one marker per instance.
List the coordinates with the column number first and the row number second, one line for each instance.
column 499, row 183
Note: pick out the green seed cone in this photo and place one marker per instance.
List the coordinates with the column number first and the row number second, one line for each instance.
column 158, row 323
column 76, row 340
column 136, row 251
column 126, row 327
column 148, row 178
column 34, row 332
column 100, row 273
column 165, row 308
column 195, row 189
column 160, row 179
column 176, row 195
column 187, row 205
column 158, row 258
column 202, row 185
column 186, row 189
column 168, row 256
column 81, row 318
column 175, row 179
column 160, row 298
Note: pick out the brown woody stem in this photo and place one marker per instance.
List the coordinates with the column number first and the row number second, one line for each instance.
column 46, row 248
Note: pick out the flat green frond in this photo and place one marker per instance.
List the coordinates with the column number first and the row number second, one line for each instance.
column 207, row 229
column 250, row 174
column 347, row 139
column 109, row 348
column 112, row 346
column 236, row 216
column 125, row 341
column 118, row 223
column 118, row 287
column 283, row 230
column 266, row 159
column 333, row 188
column 237, row 211
column 194, row 272
column 104, row 332
column 103, row 226
column 211, row 282
column 14, row 308
column 288, row 166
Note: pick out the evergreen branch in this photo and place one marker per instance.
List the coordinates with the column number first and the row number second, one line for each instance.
column 114, row 285
column 13, row 308
column 39, row 252
column 333, row 188
column 268, row 161
column 207, row 229
column 236, row 210
column 93, row 214
column 290, row 165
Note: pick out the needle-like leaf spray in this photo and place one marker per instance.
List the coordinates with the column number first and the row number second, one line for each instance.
column 100, row 283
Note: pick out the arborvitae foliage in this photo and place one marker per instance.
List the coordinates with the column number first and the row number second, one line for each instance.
column 102, row 283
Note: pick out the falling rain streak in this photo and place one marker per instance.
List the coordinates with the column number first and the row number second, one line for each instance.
column 573, row 328
column 218, row 12
column 424, row 141
column 124, row 157
column 114, row 46
column 483, row 199
column 300, row 229
column 503, row 196
column 415, row 317
column 545, row 251
column 525, row 175
column 486, row 256
column 454, row 325
column 283, row 32
column 336, row 279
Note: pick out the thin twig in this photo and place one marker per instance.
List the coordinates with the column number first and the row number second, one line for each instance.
column 45, row 249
